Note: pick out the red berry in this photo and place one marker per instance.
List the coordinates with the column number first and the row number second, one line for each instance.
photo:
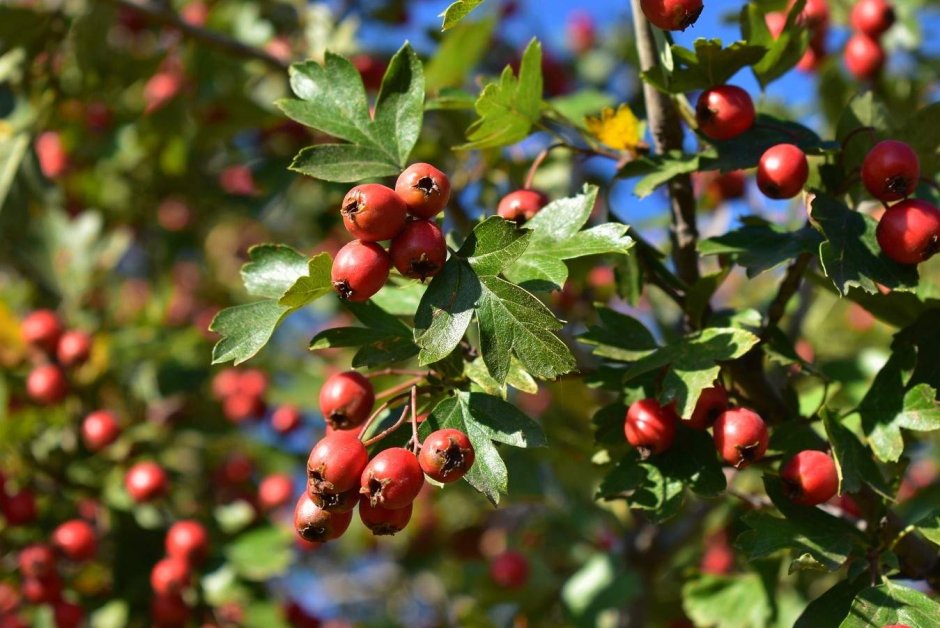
column 672, row 15
column 810, row 478
column 36, row 561
column 19, row 508
column 446, row 455
column 346, row 400
column 146, row 481
column 782, row 171
column 242, row 406
column 42, row 329
column 392, row 479
column 74, row 348
column 510, row 570
column 169, row 576
column 383, row 521
column 100, row 429
column 909, row 232
column 425, row 190
column 649, row 427
column 168, row 611
column 890, row 170
column 521, row 205
column 373, row 212
column 724, row 112
column 76, row 540
column 187, row 541
column 47, row 385
column 864, row 56
column 740, row 437
column 43, row 590
column 285, row 419
column 336, row 463
column 360, row 269
column 226, row 383
column 711, row 403
column 275, row 490
column 419, row 251
column 67, row 614
column 317, row 525
column 872, row 17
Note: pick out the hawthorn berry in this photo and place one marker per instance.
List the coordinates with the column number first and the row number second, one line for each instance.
column 425, row 190
column 187, row 541
column 384, row 521
column 360, row 269
column 285, row 419
column 46, row 384
column 392, row 479
column 649, row 427
column 446, row 455
column 19, row 508
column 67, row 614
column 169, row 576
column 146, row 481
column 76, row 540
column 711, row 403
column 724, row 112
column 36, row 561
column 810, row 478
column 510, row 570
column 74, row 348
column 521, row 205
column 274, row 491
column 864, row 56
column 346, row 400
column 782, row 171
column 872, row 17
column 373, row 212
column 100, row 429
column 672, row 15
column 419, row 251
column 316, row 525
column 909, row 232
column 42, row 329
column 890, row 170
column 336, row 463
column 741, row 437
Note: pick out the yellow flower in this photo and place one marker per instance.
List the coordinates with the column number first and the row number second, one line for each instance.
column 618, row 129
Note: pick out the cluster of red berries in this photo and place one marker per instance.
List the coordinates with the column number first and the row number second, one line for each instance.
column 741, row 438
column 373, row 213
column 864, row 56
column 55, row 349
column 672, row 15
column 187, row 545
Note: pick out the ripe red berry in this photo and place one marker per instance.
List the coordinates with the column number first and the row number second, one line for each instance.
column 810, row 478
column 42, row 329
column 419, row 251
column 890, row 170
column 74, row 348
column 360, row 269
column 740, row 437
column 336, row 463
column 46, row 384
column 285, row 419
column 67, row 614
column 169, row 576
column 19, row 508
column 36, row 561
column 909, row 232
column 724, row 112
column 100, row 429
column 187, row 541
column 242, row 406
column 864, row 56
column 510, row 570
column 76, row 540
column 392, row 479
column 446, row 455
column 383, row 521
column 45, row 590
column 146, row 481
column 672, row 15
column 168, row 611
column 425, row 190
column 274, row 491
column 649, row 427
column 346, row 400
column 872, row 17
column 711, row 403
column 782, row 171
column 373, row 212
column 317, row 525
column 521, row 205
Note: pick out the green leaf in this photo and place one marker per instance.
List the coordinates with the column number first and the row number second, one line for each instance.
column 399, row 107
column 853, row 460
column 457, row 11
column 760, row 245
column 262, row 553
column 709, row 64
column 890, row 603
column 739, row 601
column 343, row 163
column 851, row 255
column 459, row 52
column 383, row 340
column 507, row 109
column 619, row 337
column 445, row 310
column 657, row 170
column 784, row 52
column 493, row 245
